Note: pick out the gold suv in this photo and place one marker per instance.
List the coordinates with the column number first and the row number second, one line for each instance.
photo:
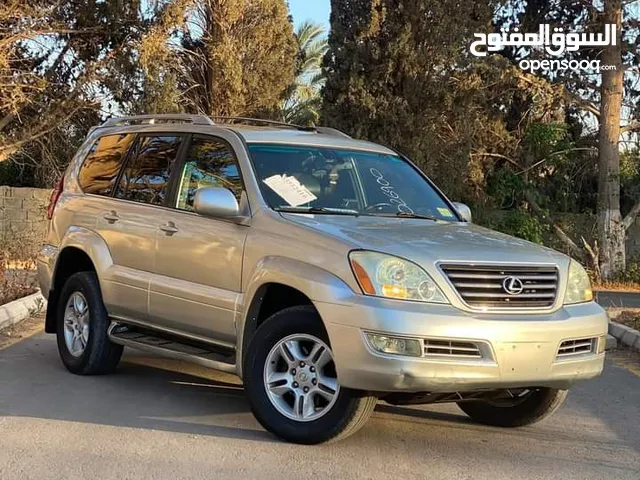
column 326, row 272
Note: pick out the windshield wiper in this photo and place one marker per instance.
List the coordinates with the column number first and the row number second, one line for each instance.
column 318, row 210
column 417, row 215
column 407, row 215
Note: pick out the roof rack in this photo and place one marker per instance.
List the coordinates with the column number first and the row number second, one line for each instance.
column 159, row 118
column 261, row 121
column 205, row 120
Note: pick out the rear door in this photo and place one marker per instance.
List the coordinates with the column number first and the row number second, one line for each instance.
column 128, row 222
column 198, row 263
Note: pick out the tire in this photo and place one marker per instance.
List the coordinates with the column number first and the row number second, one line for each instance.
column 345, row 414
column 539, row 404
column 99, row 355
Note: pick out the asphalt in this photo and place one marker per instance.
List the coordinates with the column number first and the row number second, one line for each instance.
column 618, row 299
column 160, row 419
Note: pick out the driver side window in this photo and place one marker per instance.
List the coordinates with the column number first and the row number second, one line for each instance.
column 209, row 163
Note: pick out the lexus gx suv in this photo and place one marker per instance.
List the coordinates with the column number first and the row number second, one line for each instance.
column 328, row 273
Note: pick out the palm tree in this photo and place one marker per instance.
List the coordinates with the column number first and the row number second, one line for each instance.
column 301, row 104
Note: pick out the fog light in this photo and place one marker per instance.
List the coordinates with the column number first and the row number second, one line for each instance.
column 395, row 345
column 602, row 343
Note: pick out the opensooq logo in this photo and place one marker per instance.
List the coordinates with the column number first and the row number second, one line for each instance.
column 554, row 43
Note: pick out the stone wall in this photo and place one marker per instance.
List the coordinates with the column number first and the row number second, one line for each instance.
column 23, row 213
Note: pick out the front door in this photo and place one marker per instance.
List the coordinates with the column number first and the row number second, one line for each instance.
column 198, row 260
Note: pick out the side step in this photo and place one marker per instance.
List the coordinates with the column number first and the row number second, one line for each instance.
column 172, row 346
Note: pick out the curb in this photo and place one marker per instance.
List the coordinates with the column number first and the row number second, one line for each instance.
column 13, row 312
column 625, row 335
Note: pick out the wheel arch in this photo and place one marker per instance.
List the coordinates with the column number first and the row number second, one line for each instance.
column 80, row 250
column 278, row 283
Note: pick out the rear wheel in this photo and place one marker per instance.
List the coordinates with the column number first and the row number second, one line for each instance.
column 82, row 324
column 525, row 407
column 291, row 381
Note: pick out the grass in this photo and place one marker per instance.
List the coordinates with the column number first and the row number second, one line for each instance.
column 631, row 287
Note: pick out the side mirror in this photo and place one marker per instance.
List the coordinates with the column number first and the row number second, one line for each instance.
column 216, row 202
column 464, row 211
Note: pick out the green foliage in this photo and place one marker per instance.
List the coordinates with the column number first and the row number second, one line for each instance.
column 239, row 59
column 399, row 73
column 631, row 274
column 517, row 222
column 302, row 101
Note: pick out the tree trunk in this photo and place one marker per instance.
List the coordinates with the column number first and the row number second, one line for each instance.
column 611, row 232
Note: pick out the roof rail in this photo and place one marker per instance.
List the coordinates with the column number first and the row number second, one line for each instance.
column 323, row 130
column 159, row 118
column 264, row 122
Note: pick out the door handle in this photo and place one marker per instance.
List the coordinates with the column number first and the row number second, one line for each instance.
column 169, row 228
column 111, row 217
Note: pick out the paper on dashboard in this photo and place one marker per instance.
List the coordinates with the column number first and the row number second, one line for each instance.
column 290, row 189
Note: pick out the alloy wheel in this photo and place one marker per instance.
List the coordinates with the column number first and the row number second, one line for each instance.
column 300, row 377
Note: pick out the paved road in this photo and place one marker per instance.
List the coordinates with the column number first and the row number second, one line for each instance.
column 618, row 299
column 157, row 419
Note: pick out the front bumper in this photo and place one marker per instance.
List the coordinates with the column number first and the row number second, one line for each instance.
column 520, row 350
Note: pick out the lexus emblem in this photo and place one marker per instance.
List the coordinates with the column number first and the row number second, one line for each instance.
column 513, row 285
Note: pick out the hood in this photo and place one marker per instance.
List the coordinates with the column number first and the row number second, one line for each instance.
column 427, row 242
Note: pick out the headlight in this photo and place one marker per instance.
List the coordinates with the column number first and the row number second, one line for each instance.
column 578, row 285
column 392, row 277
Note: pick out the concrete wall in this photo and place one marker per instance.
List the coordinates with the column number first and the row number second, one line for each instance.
column 23, row 213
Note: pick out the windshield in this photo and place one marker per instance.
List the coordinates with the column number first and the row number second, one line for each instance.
column 302, row 179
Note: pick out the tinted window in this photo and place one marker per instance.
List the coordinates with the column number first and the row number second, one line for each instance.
column 146, row 177
column 100, row 169
column 209, row 163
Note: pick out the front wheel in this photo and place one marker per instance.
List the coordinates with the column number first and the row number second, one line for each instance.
column 525, row 407
column 291, row 381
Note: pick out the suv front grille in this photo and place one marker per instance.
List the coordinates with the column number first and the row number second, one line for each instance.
column 577, row 347
column 451, row 348
column 488, row 285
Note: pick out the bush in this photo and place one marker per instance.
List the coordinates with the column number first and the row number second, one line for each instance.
column 17, row 268
column 518, row 223
column 631, row 273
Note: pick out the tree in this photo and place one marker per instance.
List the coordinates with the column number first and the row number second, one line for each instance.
column 237, row 57
column 400, row 73
column 611, row 229
column 608, row 98
column 302, row 101
column 55, row 60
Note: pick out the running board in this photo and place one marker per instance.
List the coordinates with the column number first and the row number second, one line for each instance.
column 171, row 346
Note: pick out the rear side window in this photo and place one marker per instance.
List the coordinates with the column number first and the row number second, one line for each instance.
column 146, row 176
column 100, row 169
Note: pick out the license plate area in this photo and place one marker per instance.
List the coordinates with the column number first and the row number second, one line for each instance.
column 525, row 359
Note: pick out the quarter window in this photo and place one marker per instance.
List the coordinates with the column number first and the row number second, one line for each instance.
column 146, row 177
column 209, row 163
column 100, row 169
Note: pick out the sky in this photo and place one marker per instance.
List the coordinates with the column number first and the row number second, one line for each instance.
column 316, row 10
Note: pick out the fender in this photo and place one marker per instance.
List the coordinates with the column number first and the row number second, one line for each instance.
column 90, row 243
column 314, row 282
column 93, row 246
